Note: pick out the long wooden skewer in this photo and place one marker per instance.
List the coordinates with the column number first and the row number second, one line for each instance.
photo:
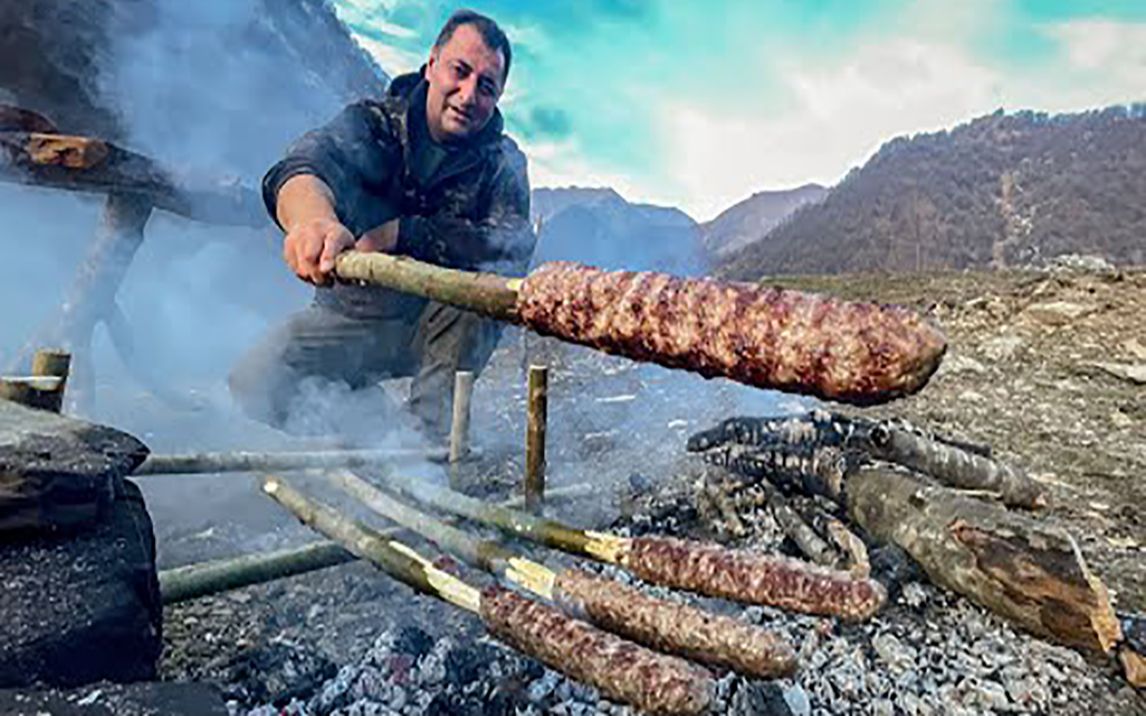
column 704, row 568
column 662, row 625
column 621, row 670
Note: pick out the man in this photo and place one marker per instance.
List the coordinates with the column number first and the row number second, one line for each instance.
column 425, row 172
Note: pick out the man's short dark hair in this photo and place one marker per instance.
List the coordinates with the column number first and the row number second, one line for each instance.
column 491, row 34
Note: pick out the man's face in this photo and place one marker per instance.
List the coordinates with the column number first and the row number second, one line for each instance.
column 465, row 82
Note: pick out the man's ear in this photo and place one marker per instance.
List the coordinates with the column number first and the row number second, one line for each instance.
column 429, row 67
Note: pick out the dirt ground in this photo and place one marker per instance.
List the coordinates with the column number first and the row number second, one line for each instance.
column 1049, row 369
column 1045, row 367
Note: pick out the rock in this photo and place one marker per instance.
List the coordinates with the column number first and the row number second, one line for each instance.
column 1133, row 373
column 1090, row 263
column 1002, row 348
column 1057, row 313
column 84, row 607
column 956, row 363
column 57, row 472
column 106, row 699
column 893, row 652
column 797, row 700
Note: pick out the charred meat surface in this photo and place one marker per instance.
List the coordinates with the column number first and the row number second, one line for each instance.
column 799, row 342
column 676, row 628
column 753, row 578
column 621, row 670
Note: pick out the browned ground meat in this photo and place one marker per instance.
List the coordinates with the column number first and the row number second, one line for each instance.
column 753, row 578
column 676, row 628
column 771, row 338
column 621, row 670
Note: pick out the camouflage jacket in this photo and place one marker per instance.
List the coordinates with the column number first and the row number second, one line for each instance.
column 471, row 213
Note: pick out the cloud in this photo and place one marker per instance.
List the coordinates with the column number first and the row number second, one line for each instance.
column 551, row 122
column 835, row 117
column 1102, row 44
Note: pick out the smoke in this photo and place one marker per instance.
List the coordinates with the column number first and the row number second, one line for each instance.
column 219, row 89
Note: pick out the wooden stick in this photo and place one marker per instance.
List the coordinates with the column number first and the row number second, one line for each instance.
column 182, row 584
column 619, row 669
column 484, row 293
column 1009, row 562
column 460, row 424
column 393, row 557
column 673, row 628
column 87, row 164
column 53, row 364
column 698, row 567
column 537, row 419
column 213, row 462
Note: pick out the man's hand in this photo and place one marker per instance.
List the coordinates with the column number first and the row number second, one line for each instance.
column 311, row 246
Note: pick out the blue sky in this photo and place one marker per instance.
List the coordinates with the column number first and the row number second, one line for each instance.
column 700, row 103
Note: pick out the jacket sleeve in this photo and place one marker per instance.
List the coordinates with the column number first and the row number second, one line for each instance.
column 356, row 155
column 499, row 239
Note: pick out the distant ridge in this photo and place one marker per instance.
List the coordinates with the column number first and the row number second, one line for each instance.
column 1001, row 190
column 750, row 220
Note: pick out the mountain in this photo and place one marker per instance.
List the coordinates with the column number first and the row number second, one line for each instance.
column 599, row 227
column 1001, row 190
column 752, row 219
column 213, row 85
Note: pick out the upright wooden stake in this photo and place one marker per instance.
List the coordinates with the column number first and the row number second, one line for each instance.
column 53, row 364
column 534, row 489
column 460, row 426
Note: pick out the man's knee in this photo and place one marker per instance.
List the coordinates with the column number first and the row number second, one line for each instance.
column 258, row 385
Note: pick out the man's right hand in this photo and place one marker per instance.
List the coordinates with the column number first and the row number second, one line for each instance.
column 312, row 245
column 314, row 235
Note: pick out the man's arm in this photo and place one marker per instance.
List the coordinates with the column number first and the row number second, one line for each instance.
column 318, row 192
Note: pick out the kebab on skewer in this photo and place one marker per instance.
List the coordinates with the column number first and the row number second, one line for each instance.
column 704, row 568
column 621, row 670
column 662, row 625
column 847, row 351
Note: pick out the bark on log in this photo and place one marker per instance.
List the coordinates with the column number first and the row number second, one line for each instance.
column 956, row 467
column 484, row 293
column 87, row 164
column 1008, row 562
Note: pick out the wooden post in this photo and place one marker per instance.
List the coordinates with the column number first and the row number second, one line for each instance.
column 44, row 389
column 460, row 426
column 53, row 364
column 534, row 488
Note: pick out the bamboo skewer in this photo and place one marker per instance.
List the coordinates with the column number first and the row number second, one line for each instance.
column 622, row 671
column 180, row 584
column 212, row 462
column 697, row 567
column 665, row 626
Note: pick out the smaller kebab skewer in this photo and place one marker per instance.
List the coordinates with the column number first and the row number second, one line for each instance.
column 662, row 625
column 653, row 682
column 709, row 569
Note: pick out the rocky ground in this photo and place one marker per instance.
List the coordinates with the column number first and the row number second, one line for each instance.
column 1046, row 367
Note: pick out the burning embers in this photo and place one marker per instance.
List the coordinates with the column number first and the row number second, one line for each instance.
column 586, row 626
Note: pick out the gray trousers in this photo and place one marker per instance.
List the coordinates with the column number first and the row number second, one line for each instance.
column 322, row 362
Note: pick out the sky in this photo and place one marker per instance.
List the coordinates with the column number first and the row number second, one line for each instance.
column 699, row 104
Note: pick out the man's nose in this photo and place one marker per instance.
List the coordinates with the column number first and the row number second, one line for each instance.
column 467, row 91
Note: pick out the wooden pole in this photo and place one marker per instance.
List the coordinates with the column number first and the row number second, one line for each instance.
column 460, row 424
column 212, row 462
column 484, row 293
column 182, row 584
column 537, row 420
column 53, row 364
